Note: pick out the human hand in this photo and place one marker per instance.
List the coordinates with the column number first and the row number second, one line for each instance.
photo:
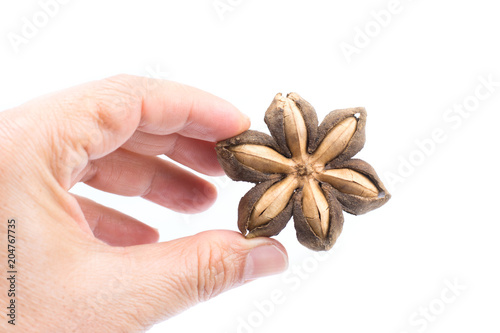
column 83, row 267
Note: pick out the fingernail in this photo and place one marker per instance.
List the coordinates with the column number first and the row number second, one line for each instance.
column 263, row 261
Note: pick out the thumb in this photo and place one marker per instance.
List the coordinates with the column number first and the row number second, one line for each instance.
column 172, row 276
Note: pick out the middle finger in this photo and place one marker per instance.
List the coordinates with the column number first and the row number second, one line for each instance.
column 130, row 174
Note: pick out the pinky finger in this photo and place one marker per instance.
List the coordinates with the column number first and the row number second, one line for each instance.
column 114, row 227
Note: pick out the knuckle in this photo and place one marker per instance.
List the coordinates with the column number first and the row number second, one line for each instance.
column 87, row 117
column 114, row 101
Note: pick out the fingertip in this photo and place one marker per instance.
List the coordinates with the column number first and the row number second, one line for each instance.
column 242, row 120
column 245, row 122
column 211, row 192
column 219, row 172
column 154, row 236
column 200, row 199
column 230, row 122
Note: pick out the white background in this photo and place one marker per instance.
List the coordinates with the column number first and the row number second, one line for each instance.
column 390, row 266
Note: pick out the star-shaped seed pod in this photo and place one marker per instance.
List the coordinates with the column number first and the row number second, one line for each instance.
column 304, row 170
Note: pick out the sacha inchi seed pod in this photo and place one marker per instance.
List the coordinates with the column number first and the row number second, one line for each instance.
column 304, row 170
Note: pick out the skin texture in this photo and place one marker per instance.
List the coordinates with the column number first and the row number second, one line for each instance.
column 86, row 267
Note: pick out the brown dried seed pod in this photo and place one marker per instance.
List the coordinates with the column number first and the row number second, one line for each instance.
column 302, row 168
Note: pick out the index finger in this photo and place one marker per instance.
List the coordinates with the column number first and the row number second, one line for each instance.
column 94, row 119
column 120, row 105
